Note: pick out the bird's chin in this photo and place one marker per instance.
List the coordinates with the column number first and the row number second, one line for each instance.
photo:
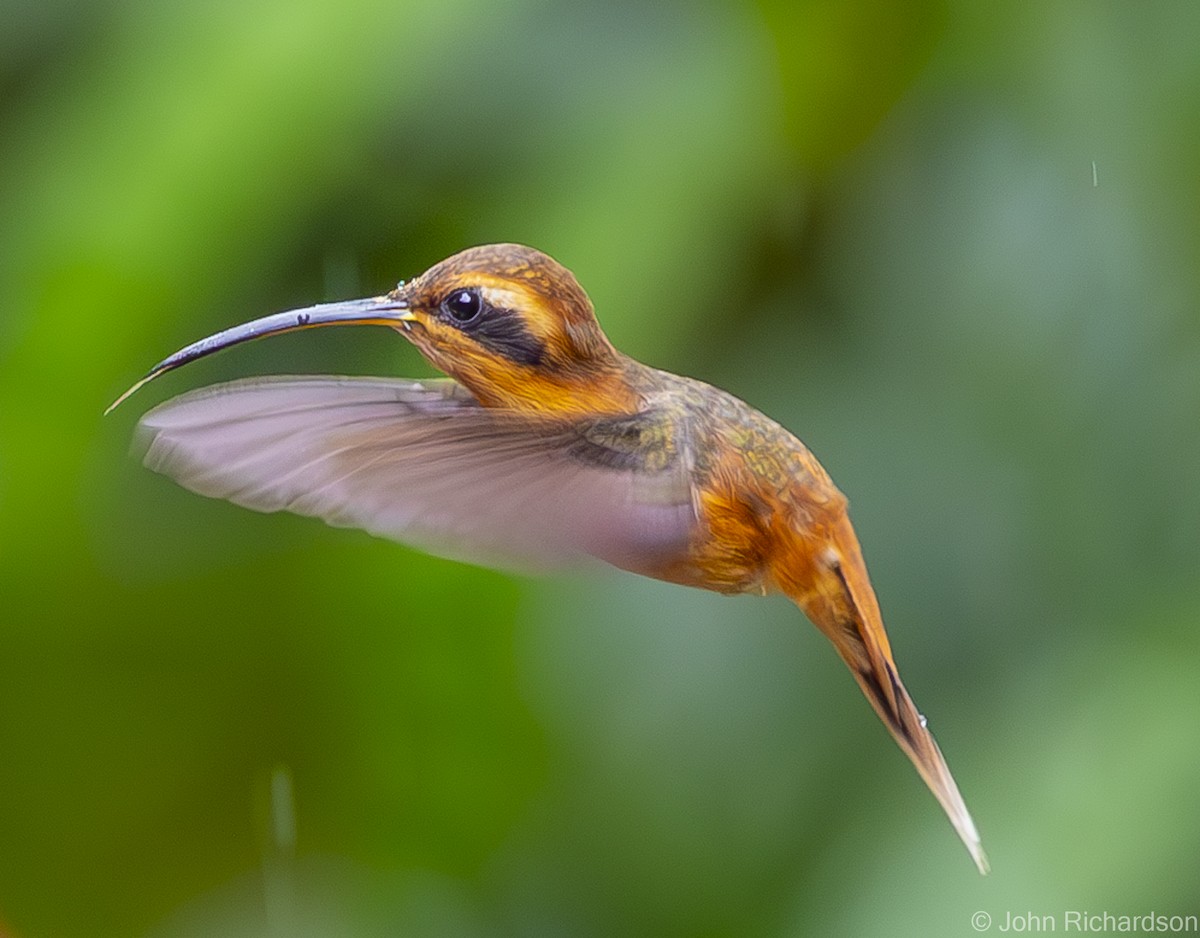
column 419, row 336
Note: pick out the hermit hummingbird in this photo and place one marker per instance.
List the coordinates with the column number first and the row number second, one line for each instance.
column 545, row 445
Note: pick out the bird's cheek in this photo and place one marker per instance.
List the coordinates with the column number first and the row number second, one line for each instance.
column 436, row 347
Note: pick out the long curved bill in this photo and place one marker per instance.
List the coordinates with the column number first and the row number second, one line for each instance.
column 389, row 310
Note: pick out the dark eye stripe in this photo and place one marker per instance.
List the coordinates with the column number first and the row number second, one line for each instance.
column 502, row 331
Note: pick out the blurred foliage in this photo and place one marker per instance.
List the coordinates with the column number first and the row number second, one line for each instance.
column 953, row 245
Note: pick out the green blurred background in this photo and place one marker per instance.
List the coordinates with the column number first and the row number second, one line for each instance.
column 953, row 245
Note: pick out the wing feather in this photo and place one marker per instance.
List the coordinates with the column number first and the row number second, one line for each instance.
column 421, row 462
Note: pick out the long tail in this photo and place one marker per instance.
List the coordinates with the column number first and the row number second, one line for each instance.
column 837, row 595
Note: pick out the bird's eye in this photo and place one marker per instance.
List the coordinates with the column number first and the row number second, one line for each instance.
column 463, row 305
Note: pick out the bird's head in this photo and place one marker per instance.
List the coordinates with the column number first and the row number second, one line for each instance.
column 506, row 320
column 510, row 323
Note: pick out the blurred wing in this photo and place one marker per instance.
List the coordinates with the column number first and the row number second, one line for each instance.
column 424, row 464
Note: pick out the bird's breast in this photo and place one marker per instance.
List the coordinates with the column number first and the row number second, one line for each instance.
column 758, row 493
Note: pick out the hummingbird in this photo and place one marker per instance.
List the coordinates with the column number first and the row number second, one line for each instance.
column 543, row 447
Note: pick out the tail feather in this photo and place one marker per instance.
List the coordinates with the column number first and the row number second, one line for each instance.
column 840, row 601
column 901, row 716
